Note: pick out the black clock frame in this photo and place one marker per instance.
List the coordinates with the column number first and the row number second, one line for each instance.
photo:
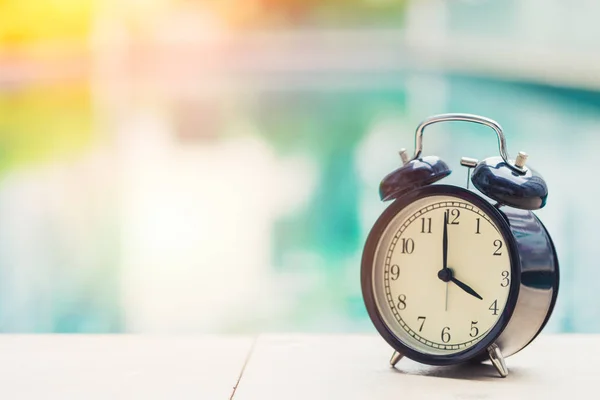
column 530, row 257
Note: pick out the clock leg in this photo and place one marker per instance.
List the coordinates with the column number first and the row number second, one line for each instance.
column 395, row 358
column 497, row 360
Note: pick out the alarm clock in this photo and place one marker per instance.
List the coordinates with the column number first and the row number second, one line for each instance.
column 453, row 274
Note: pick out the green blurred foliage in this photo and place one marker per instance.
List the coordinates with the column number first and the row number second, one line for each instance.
column 311, row 13
column 43, row 122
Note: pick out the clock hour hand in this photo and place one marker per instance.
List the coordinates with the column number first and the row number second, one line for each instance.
column 466, row 288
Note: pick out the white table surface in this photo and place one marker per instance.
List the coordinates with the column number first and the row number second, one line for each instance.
column 356, row 367
column 120, row 367
column 280, row 367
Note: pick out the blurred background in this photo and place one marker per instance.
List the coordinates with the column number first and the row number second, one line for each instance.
column 212, row 166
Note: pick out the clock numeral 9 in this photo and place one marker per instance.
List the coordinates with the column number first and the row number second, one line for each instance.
column 408, row 246
column 395, row 272
column 402, row 302
column 446, row 334
column 474, row 329
column 453, row 216
column 498, row 245
column 505, row 279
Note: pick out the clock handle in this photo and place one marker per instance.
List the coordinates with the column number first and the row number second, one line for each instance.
column 520, row 169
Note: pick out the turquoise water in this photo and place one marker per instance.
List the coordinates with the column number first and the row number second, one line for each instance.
column 247, row 211
column 353, row 137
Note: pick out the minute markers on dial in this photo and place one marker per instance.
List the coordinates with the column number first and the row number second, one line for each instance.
column 412, row 274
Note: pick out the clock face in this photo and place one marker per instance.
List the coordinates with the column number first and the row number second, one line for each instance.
column 438, row 307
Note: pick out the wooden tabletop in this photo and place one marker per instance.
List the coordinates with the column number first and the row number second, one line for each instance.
column 280, row 367
column 120, row 367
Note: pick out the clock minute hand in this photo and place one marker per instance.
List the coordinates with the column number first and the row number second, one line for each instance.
column 466, row 288
column 445, row 243
column 445, row 256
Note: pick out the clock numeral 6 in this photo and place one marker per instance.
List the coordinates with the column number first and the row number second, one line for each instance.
column 402, row 302
column 408, row 246
column 505, row 279
column 446, row 334
column 474, row 329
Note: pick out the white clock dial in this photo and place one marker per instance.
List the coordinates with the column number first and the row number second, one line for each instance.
column 416, row 299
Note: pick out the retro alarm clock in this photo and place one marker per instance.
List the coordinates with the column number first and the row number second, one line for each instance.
column 455, row 274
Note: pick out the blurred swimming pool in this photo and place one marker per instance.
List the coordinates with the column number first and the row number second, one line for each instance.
column 141, row 206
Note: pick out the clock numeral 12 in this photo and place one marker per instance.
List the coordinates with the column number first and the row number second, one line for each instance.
column 454, row 213
column 478, row 223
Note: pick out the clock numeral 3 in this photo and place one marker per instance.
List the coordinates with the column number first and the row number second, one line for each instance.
column 505, row 279
column 453, row 216
column 446, row 334
column 494, row 307
column 402, row 302
column 408, row 246
column 425, row 225
column 474, row 329
column 422, row 319
column 498, row 245
column 395, row 271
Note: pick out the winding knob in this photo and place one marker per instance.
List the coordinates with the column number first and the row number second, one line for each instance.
column 468, row 162
column 521, row 159
column 403, row 156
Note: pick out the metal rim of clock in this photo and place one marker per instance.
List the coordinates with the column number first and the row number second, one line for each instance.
column 466, row 118
column 480, row 348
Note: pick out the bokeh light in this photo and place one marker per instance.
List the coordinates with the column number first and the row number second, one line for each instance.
column 212, row 166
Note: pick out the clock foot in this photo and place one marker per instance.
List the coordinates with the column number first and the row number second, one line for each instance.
column 395, row 358
column 497, row 360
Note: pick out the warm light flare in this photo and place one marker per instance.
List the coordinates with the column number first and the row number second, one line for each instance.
column 26, row 21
